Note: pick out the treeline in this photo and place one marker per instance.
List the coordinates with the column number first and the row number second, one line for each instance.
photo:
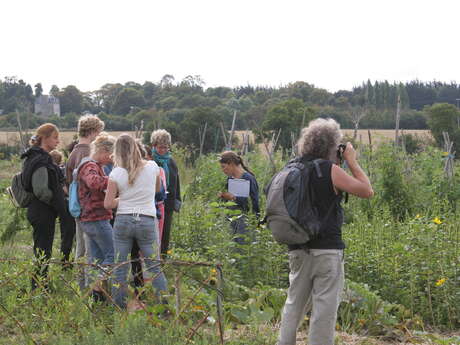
column 184, row 107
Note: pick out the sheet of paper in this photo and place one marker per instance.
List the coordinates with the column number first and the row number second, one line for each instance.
column 239, row 187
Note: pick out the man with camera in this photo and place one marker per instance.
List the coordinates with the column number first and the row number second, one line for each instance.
column 316, row 268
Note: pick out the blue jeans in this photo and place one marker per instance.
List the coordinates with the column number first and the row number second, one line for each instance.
column 100, row 241
column 143, row 229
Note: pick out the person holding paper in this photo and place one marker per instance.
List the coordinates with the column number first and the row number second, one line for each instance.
column 241, row 185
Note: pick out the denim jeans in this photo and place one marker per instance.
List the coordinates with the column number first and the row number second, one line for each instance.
column 99, row 235
column 240, row 230
column 144, row 230
column 81, row 250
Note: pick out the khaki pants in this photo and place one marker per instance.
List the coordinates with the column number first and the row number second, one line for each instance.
column 315, row 283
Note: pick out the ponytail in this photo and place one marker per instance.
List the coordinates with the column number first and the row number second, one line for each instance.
column 245, row 167
column 44, row 131
column 231, row 157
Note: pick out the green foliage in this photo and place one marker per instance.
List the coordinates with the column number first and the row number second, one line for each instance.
column 395, row 185
column 364, row 311
column 194, row 123
column 404, row 261
column 401, row 263
column 252, row 103
column 126, row 100
column 289, row 117
column 443, row 117
column 71, row 100
column 15, row 223
column 412, row 143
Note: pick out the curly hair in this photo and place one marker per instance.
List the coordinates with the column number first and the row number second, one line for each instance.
column 320, row 139
column 160, row 136
column 103, row 142
column 88, row 124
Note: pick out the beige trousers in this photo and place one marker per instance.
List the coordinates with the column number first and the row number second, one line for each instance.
column 315, row 283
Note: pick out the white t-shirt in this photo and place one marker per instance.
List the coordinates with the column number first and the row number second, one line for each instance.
column 138, row 198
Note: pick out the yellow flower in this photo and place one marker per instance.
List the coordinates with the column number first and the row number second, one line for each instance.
column 445, row 154
column 418, row 216
column 441, row 282
column 437, row 221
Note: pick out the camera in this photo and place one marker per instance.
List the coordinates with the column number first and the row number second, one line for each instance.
column 340, row 151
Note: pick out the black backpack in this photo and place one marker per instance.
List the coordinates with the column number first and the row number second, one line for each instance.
column 290, row 211
column 17, row 193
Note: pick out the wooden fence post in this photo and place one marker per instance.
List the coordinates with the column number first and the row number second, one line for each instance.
column 398, row 116
column 449, row 163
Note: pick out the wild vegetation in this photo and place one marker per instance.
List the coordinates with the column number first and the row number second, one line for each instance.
column 402, row 260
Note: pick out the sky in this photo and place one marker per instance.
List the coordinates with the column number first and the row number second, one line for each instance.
column 333, row 44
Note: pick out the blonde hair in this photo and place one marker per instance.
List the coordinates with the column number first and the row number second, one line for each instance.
column 44, row 131
column 56, row 156
column 103, row 142
column 127, row 156
column 160, row 136
column 320, row 139
column 88, row 124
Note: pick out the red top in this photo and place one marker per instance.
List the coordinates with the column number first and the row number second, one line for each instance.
column 92, row 183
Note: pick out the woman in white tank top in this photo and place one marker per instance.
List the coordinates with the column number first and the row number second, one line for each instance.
column 135, row 181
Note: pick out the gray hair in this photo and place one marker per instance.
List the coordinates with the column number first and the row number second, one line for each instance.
column 320, row 139
column 160, row 136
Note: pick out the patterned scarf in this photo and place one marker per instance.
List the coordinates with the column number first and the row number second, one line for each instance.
column 162, row 161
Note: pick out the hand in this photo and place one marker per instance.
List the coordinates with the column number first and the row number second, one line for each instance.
column 350, row 154
column 226, row 196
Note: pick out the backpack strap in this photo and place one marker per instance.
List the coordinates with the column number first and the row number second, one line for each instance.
column 317, row 168
column 77, row 169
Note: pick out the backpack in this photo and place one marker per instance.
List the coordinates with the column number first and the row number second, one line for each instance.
column 18, row 195
column 74, row 201
column 290, row 212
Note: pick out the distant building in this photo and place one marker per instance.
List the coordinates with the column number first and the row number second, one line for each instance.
column 47, row 105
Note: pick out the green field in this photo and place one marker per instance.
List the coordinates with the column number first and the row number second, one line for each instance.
column 402, row 267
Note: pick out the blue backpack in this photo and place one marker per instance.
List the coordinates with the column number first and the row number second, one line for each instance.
column 74, row 201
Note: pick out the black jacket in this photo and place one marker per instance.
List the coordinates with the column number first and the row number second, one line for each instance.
column 36, row 157
column 173, row 200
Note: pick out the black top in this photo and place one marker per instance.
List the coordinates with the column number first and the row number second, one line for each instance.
column 329, row 208
column 327, row 201
column 173, row 198
column 242, row 202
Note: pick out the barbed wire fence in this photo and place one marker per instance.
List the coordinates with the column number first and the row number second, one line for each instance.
column 30, row 311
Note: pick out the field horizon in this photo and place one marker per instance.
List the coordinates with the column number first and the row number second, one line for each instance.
column 11, row 138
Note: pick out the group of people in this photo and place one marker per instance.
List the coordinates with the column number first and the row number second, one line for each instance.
column 128, row 194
